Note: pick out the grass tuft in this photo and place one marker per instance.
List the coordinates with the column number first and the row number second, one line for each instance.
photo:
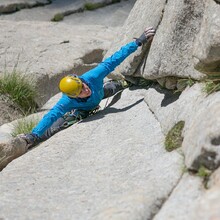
column 19, row 89
column 58, row 17
column 174, row 138
column 203, row 172
column 183, row 83
column 212, row 86
column 24, row 126
column 92, row 6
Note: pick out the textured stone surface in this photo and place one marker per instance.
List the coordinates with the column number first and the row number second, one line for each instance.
column 169, row 107
column 149, row 14
column 74, row 12
column 9, row 151
column 78, row 174
column 183, row 199
column 201, row 116
column 48, row 51
column 9, row 6
column 201, row 143
column 208, row 206
column 113, row 15
column 207, row 44
column 172, row 48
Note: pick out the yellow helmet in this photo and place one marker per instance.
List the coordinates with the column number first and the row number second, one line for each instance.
column 71, row 86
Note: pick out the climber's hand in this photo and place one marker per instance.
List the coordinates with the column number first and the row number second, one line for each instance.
column 146, row 36
column 31, row 139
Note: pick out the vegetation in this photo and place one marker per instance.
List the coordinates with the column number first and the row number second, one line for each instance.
column 19, row 90
column 92, row 6
column 58, row 17
column 174, row 138
column 212, row 86
column 145, row 82
column 24, row 126
column 183, row 83
column 203, row 172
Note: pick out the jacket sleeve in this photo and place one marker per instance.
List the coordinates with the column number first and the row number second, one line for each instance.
column 62, row 106
column 109, row 64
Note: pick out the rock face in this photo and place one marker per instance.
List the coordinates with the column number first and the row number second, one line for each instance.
column 48, row 59
column 178, row 23
column 113, row 165
column 171, row 51
column 149, row 14
column 207, row 45
column 120, row 176
column 75, row 12
column 184, row 199
column 9, row 6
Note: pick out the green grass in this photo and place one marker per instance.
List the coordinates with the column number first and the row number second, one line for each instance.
column 19, row 90
column 212, row 86
column 174, row 138
column 203, row 172
column 145, row 82
column 92, row 6
column 58, row 17
column 24, row 126
column 183, row 83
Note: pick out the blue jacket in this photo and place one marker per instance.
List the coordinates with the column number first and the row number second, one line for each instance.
column 94, row 79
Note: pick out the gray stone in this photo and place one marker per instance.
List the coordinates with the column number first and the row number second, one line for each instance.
column 200, row 113
column 214, row 179
column 169, row 107
column 74, row 12
column 207, row 44
column 183, row 200
column 78, row 174
column 208, row 206
column 201, row 139
column 114, row 15
column 9, row 6
column 10, row 151
column 172, row 48
column 144, row 14
column 46, row 55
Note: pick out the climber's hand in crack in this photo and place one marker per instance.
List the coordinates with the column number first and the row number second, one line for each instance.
column 147, row 35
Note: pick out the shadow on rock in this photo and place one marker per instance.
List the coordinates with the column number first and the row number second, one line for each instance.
column 110, row 110
column 169, row 96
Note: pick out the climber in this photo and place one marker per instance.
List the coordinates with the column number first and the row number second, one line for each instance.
column 82, row 94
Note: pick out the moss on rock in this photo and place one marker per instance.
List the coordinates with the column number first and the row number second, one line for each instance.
column 174, row 137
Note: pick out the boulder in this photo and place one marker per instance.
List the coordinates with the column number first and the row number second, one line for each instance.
column 68, row 49
column 11, row 150
column 144, row 14
column 172, row 48
column 207, row 44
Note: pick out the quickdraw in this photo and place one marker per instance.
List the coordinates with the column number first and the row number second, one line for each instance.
column 75, row 116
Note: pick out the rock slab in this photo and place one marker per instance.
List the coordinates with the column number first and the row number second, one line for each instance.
column 46, row 60
column 126, row 175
